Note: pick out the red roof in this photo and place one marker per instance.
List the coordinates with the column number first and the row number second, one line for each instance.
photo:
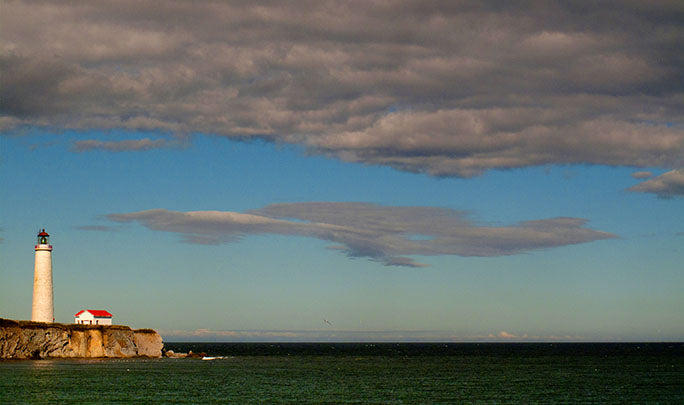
column 98, row 313
column 43, row 233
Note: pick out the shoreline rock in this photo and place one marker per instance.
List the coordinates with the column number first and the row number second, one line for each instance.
column 37, row 340
column 173, row 355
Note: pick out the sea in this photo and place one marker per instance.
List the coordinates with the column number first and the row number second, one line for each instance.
column 362, row 373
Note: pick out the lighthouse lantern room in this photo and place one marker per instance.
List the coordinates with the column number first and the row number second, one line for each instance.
column 43, row 238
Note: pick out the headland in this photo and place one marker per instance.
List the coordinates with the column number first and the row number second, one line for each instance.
column 39, row 340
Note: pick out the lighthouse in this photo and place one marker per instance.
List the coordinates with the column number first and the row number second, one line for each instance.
column 43, row 305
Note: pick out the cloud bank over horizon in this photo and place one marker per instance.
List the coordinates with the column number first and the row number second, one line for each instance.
column 444, row 88
column 381, row 233
column 393, row 336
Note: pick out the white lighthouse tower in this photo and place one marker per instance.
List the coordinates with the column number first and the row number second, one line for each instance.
column 43, row 305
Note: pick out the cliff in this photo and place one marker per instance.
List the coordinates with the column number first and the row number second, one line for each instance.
column 37, row 340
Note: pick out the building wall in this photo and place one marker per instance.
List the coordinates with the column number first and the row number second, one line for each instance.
column 103, row 321
column 86, row 316
column 88, row 319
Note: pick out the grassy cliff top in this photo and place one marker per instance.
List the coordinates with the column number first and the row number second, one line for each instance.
column 65, row 326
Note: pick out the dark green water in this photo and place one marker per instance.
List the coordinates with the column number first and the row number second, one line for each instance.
column 362, row 373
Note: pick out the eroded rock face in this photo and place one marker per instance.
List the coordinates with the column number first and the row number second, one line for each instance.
column 26, row 343
column 27, row 340
column 148, row 342
column 118, row 343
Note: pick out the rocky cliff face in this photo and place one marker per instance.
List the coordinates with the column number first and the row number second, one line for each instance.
column 34, row 340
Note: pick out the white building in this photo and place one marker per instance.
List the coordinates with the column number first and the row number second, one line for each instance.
column 93, row 317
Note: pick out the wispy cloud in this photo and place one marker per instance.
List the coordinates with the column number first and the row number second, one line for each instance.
column 382, row 233
column 99, row 228
column 119, row 146
column 447, row 88
column 667, row 185
column 642, row 175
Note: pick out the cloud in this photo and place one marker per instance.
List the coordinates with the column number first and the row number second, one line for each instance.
column 642, row 175
column 503, row 335
column 446, row 88
column 381, row 233
column 209, row 335
column 99, row 228
column 509, row 337
column 205, row 335
column 119, row 146
column 667, row 185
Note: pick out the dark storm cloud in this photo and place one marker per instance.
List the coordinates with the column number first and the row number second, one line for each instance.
column 447, row 88
column 381, row 233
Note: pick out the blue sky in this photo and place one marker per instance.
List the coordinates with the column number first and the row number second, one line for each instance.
column 624, row 289
column 254, row 183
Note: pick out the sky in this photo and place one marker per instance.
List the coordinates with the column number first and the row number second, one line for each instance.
column 348, row 171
